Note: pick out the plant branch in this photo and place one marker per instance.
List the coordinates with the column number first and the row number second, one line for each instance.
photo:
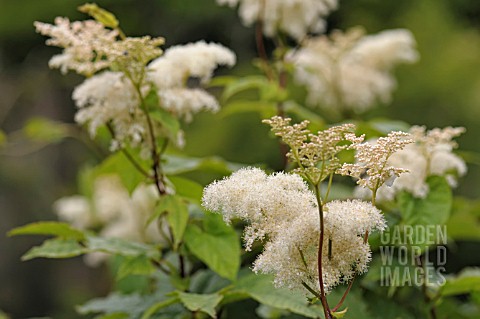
column 323, row 297
column 129, row 156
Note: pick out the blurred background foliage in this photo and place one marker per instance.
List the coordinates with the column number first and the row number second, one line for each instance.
column 442, row 89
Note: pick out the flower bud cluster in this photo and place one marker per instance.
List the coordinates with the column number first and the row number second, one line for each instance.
column 430, row 154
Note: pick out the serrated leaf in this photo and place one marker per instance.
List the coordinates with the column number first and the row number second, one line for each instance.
column 260, row 287
column 138, row 265
column 55, row 248
column 45, row 130
column 58, row 229
column 217, row 245
column 103, row 16
column 121, row 247
column 118, row 164
column 197, row 302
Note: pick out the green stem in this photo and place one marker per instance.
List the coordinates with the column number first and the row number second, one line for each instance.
column 130, row 158
column 329, row 186
column 316, row 294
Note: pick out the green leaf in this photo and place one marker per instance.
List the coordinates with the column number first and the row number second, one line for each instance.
column 187, row 188
column 196, row 302
column 177, row 215
column 158, row 306
column 222, row 80
column 55, row 248
column 179, row 165
column 304, row 113
column 260, row 287
column 169, row 123
column 385, row 126
column 62, row 230
column 464, row 224
column 339, row 314
column 138, row 265
column 121, row 247
column 217, row 245
column 273, row 92
column 118, row 164
column 266, row 109
column 243, row 84
column 103, row 16
column 357, row 307
column 45, row 130
column 434, row 209
column 207, row 281
column 467, row 281
column 114, row 304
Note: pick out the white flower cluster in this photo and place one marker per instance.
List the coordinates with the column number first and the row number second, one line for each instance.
column 113, row 210
column 171, row 72
column 430, row 154
column 116, row 97
column 350, row 71
column 281, row 209
column 110, row 98
column 294, row 17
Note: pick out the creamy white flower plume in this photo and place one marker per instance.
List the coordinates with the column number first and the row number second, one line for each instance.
column 281, row 209
column 352, row 71
column 292, row 256
column 170, row 74
column 266, row 202
column 109, row 98
column 294, row 17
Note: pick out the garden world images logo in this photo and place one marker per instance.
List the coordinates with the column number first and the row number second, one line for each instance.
column 413, row 255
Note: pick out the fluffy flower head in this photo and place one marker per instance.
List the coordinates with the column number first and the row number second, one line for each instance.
column 294, row 17
column 281, row 209
column 170, row 74
column 352, row 71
